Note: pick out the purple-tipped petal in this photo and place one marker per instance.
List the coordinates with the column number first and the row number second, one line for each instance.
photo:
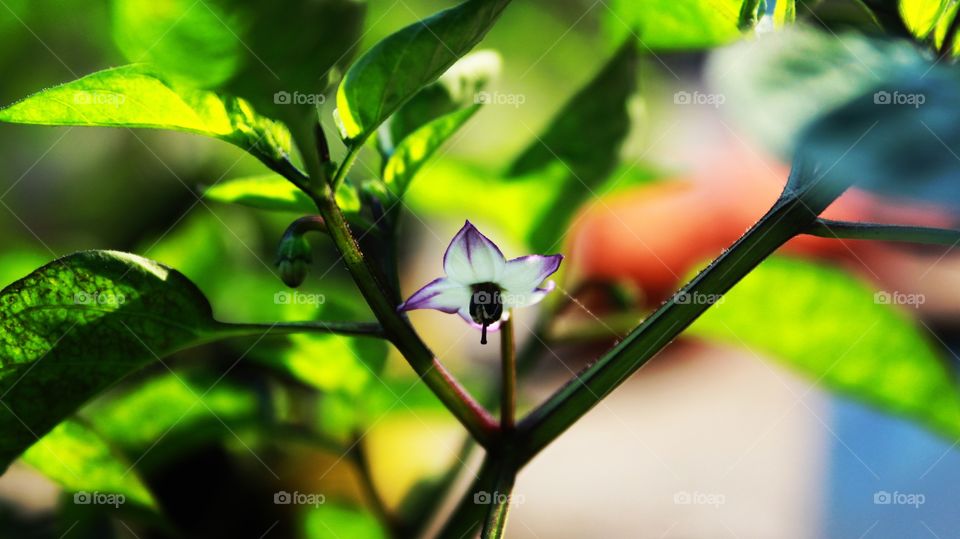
column 472, row 258
column 515, row 301
column 441, row 294
column 523, row 275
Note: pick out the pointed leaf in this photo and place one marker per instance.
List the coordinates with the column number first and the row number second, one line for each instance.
column 132, row 96
column 273, row 192
column 396, row 68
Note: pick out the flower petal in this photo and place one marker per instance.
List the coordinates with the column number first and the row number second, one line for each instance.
column 472, row 258
column 514, row 301
column 465, row 314
column 522, row 275
column 441, row 294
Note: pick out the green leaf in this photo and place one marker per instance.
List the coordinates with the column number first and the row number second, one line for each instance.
column 333, row 521
column 830, row 326
column 793, row 76
column 459, row 87
column 250, row 49
column 80, row 460
column 274, row 193
column 923, row 16
column 417, row 148
column 586, row 135
column 132, row 96
column 900, row 139
column 75, row 326
column 396, row 68
column 675, row 24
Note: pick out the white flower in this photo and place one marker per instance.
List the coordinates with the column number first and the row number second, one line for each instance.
column 481, row 285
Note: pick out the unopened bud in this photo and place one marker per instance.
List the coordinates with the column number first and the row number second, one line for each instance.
column 293, row 259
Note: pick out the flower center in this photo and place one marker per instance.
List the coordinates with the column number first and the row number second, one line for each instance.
column 486, row 306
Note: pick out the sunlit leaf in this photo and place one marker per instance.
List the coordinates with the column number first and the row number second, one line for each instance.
column 264, row 192
column 132, row 96
column 830, row 326
column 922, row 16
column 675, row 24
column 900, row 138
column 396, row 68
column 417, row 148
column 74, row 327
column 459, row 87
column 81, row 460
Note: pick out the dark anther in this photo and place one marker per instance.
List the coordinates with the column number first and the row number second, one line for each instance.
column 486, row 306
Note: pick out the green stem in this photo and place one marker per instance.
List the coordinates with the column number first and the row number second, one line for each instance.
column 508, row 390
column 496, row 521
column 791, row 214
column 471, row 414
column 827, row 228
column 353, row 151
column 469, row 513
column 359, row 329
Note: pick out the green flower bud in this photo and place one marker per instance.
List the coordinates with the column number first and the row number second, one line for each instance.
column 293, row 259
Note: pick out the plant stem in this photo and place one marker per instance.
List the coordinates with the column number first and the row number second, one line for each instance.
column 827, row 228
column 359, row 329
column 471, row 414
column 508, row 390
column 788, row 216
column 353, row 151
column 496, row 521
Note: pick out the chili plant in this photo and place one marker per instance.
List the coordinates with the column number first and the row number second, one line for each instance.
column 257, row 77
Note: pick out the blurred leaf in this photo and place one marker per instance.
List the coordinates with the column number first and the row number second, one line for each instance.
column 835, row 329
column 80, row 323
column 459, row 87
column 79, row 459
column 398, row 67
column 586, row 135
column 901, row 139
column 778, row 83
column 675, row 24
column 273, row 192
column 334, row 521
column 417, row 148
column 130, row 96
column 182, row 408
column 251, row 49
